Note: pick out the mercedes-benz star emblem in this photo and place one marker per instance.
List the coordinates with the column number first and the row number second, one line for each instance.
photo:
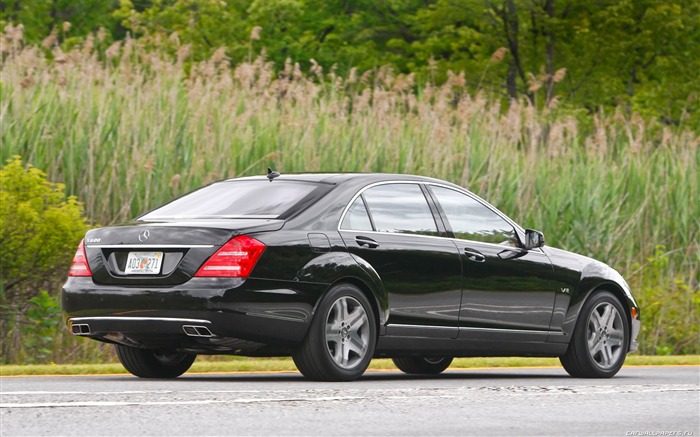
column 143, row 236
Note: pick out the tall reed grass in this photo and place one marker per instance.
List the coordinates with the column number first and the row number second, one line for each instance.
column 127, row 127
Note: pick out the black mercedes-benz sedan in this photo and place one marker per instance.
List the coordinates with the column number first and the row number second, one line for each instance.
column 335, row 269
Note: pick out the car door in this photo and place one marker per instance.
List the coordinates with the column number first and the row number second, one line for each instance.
column 391, row 229
column 507, row 291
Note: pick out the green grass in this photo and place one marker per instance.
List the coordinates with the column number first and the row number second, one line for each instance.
column 286, row 365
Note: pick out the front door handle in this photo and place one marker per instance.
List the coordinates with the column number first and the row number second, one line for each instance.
column 366, row 242
column 474, row 255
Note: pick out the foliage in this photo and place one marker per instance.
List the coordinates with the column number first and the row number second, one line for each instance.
column 130, row 128
column 671, row 311
column 40, row 232
column 64, row 18
column 38, row 336
column 640, row 55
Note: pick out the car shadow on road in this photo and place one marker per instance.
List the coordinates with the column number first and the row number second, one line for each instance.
column 381, row 376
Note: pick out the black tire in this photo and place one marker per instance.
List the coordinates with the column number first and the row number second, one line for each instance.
column 341, row 339
column 150, row 363
column 422, row 365
column 600, row 340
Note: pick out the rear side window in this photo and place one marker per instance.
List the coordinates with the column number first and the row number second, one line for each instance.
column 237, row 199
column 400, row 208
column 357, row 218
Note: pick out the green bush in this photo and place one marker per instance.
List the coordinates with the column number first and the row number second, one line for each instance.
column 40, row 230
column 670, row 309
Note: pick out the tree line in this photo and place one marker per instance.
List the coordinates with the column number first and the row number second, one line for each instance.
column 641, row 56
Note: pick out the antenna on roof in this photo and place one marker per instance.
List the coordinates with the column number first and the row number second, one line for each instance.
column 271, row 174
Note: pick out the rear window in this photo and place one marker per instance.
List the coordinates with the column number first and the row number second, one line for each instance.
column 238, row 199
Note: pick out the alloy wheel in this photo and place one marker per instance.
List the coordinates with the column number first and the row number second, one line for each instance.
column 605, row 335
column 347, row 332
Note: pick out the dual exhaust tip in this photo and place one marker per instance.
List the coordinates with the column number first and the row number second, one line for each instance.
column 197, row 331
column 80, row 329
column 190, row 330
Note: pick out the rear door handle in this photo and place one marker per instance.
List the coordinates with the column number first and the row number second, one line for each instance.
column 366, row 242
column 474, row 255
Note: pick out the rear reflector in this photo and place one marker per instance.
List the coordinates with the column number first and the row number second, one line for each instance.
column 80, row 265
column 234, row 259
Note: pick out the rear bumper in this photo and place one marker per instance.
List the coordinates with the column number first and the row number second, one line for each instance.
column 204, row 314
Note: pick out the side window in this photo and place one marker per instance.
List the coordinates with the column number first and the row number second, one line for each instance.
column 357, row 218
column 470, row 220
column 400, row 208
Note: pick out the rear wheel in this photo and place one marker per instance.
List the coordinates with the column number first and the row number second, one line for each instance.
column 341, row 339
column 601, row 338
column 151, row 363
column 422, row 365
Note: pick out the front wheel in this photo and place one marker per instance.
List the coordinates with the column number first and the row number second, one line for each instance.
column 422, row 365
column 601, row 338
column 151, row 363
column 341, row 339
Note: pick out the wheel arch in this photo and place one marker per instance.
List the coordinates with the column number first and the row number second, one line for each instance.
column 591, row 289
column 619, row 293
column 583, row 359
column 379, row 313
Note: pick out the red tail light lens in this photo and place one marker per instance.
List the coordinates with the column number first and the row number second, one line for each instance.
column 234, row 259
column 80, row 265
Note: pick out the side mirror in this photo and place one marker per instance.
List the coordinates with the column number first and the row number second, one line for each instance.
column 533, row 239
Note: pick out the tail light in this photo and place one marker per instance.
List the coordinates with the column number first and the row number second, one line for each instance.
column 80, row 265
column 234, row 259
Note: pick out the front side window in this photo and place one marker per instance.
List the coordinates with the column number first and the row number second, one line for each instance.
column 471, row 220
column 236, row 199
column 400, row 208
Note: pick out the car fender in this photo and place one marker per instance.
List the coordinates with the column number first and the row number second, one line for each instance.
column 596, row 276
column 335, row 267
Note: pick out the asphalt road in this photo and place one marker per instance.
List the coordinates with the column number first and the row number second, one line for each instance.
column 639, row 401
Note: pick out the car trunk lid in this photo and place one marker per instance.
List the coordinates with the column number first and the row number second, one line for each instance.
column 161, row 253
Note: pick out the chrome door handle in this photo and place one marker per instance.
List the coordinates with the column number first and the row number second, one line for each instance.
column 366, row 242
column 473, row 255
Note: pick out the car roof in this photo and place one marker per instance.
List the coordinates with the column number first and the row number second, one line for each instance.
column 339, row 178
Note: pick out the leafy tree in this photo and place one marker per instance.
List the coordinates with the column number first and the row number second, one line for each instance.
column 205, row 24
column 637, row 54
column 641, row 54
column 42, row 17
column 40, row 230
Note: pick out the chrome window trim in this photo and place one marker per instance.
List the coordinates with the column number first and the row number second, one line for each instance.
column 516, row 226
column 376, row 184
column 482, row 202
column 500, row 246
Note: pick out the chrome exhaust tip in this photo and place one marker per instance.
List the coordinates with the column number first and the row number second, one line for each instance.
column 80, row 329
column 197, row 331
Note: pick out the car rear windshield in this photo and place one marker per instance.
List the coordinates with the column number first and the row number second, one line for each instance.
column 239, row 199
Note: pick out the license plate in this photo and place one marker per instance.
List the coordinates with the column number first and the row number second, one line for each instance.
column 143, row 263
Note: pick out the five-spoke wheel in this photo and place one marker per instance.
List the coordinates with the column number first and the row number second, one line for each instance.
column 340, row 342
column 606, row 335
column 347, row 332
column 600, row 340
